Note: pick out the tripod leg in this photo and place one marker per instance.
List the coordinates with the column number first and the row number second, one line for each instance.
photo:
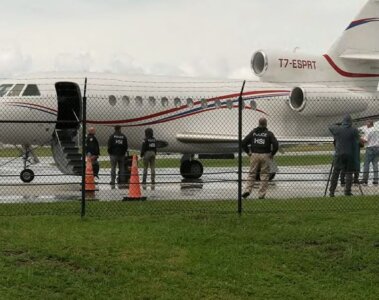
column 330, row 175
column 360, row 189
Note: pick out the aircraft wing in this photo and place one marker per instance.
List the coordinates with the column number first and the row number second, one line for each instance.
column 211, row 138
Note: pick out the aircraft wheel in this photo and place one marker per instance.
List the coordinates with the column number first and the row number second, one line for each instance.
column 191, row 169
column 27, row 175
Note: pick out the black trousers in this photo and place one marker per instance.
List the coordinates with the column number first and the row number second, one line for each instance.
column 342, row 163
column 355, row 177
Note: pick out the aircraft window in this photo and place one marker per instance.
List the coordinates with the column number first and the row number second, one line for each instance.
column 152, row 101
column 126, row 100
column 4, row 88
column 139, row 100
column 31, row 90
column 204, row 103
column 16, row 91
column 177, row 102
column 253, row 105
column 218, row 103
column 112, row 100
column 164, row 101
column 229, row 104
column 189, row 102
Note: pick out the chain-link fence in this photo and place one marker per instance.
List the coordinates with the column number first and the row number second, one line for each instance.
column 198, row 126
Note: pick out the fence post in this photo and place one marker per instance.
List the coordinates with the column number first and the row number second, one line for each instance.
column 240, row 106
column 84, row 123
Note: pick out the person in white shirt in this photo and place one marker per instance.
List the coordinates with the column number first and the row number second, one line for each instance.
column 371, row 139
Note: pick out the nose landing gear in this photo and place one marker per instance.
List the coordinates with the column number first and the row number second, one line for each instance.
column 28, row 158
column 27, row 175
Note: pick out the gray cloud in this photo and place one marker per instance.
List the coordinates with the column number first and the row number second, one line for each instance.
column 12, row 60
column 73, row 62
column 199, row 37
column 124, row 63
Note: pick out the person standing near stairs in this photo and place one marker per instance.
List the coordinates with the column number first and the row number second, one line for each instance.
column 117, row 148
column 93, row 150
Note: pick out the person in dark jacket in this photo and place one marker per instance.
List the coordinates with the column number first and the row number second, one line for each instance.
column 117, row 148
column 357, row 164
column 261, row 145
column 148, row 153
column 93, row 150
column 347, row 143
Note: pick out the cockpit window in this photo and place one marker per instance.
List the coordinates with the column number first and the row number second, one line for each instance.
column 16, row 91
column 31, row 90
column 4, row 88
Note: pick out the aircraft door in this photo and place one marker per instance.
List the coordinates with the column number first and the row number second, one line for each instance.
column 69, row 105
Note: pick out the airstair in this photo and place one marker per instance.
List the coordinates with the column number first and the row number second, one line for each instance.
column 66, row 154
column 65, row 143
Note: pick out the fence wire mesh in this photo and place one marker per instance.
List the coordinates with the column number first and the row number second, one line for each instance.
column 195, row 124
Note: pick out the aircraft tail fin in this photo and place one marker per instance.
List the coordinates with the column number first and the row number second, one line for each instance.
column 360, row 39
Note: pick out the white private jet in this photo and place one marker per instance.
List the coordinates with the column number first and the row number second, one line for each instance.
column 300, row 95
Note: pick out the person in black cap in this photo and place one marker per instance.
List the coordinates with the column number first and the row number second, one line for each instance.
column 148, row 153
column 117, row 147
column 347, row 142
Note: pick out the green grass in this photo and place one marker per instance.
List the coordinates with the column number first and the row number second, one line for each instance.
column 290, row 255
column 166, row 207
column 16, row 152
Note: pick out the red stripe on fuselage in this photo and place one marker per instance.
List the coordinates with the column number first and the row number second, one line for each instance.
column 183, row 106
column 31, row 104
column 183, row 116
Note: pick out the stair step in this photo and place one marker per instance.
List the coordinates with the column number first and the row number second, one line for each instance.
column 70, row 150
column 68, row 144
column 66, row 138
column 75, row 162
column 75, row 156
column 67, row 132
column 77, row 170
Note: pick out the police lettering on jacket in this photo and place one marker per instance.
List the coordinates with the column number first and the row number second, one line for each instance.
column 149, row 144
column 117, row 144
column 260, row 140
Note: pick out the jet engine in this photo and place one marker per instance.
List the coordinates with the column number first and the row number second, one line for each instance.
column 282, row 65
column 327, row 101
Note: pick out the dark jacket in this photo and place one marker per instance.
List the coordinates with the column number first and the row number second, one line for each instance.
column 92, row 145
column 260, row 140
column 346, row 137
column 149, row 144
column 117, row 144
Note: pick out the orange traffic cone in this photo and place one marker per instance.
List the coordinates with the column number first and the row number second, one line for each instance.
column 90, row 187
column 134, row 184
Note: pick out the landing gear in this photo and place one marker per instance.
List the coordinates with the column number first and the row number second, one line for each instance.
column 27, row 175
column 191, row 169
column 28, row 158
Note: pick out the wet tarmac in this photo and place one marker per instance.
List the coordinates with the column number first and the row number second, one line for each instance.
column 50, row 185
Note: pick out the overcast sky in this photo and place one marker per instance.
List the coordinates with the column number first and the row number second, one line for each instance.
column 163, row 37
